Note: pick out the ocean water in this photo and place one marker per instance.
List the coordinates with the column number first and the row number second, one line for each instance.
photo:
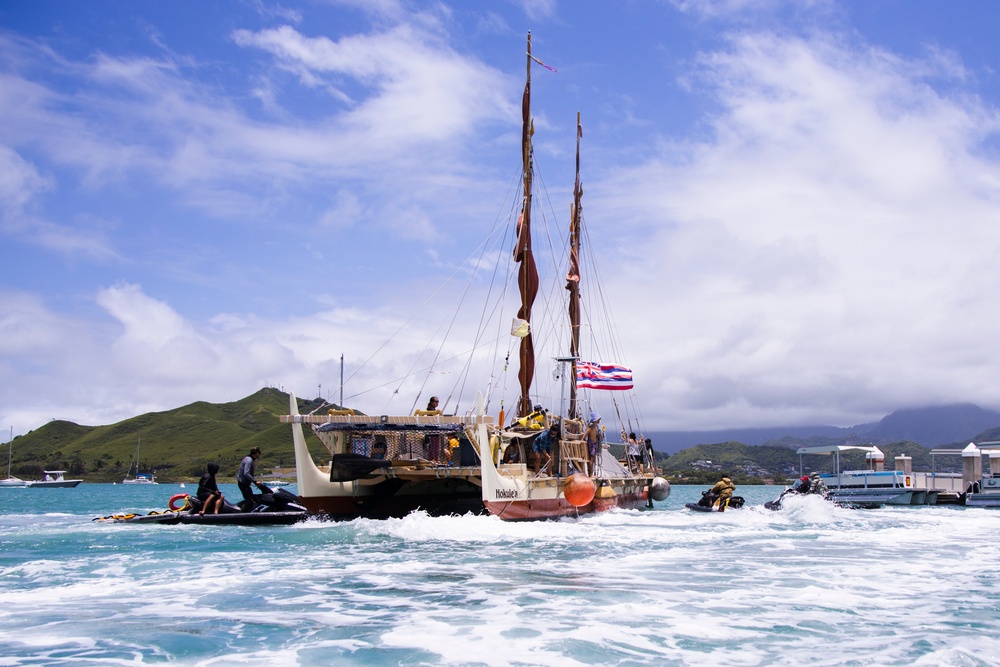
column 813, row 584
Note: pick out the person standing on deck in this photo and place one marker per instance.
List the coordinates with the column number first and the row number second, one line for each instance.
column 593, row 436
column 633, row 456
column 541, row 448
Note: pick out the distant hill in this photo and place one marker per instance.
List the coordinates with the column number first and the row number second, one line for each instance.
column 674, row 441
column 936, row 426
column 176, row 444
column 930, row 427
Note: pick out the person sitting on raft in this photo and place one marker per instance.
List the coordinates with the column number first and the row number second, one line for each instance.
column 817, row 484
column 810, row 484
column 208, row 491
column 802, row 486
column 719, row 494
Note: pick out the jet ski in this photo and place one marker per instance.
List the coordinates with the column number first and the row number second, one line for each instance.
column 707, row 502
column 271, row 508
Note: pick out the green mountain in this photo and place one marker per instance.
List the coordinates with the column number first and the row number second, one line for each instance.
column 176, row 444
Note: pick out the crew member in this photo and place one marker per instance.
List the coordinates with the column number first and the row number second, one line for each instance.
column 593, row 435
column 723, row 491
column 542, row 448
column 245, row 477
column 451, row 452
column 803, row 485
column 208, row 491
column 817, row 485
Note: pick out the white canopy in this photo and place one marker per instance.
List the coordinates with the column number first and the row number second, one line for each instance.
column 836, row 449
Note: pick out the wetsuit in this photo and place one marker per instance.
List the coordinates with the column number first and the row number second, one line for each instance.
column 244, row 478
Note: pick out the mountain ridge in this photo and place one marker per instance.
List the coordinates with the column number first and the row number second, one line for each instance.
column 177, row 443
column 931, row 426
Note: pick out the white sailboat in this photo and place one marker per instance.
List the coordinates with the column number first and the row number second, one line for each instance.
column 11, row 481
column 140, row 478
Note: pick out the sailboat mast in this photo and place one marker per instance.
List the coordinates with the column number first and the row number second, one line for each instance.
column 573, row 275
column 527, row 276
column 10, row 450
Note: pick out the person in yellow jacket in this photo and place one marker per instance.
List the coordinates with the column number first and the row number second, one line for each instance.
column 723, row 491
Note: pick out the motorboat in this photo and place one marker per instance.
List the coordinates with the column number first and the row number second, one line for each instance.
column 54, row 479
column 871, row 486
column 277, row 482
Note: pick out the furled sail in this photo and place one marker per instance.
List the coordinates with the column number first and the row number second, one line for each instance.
column 573, row 274
column 527, row 276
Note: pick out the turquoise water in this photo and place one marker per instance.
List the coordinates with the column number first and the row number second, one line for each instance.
column 813, row 584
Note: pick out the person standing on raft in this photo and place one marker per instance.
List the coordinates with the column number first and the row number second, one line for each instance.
column 245, row 477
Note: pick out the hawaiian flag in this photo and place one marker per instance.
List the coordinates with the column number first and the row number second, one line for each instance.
column 592, row 375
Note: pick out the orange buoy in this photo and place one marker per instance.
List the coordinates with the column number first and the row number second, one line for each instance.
column 579, row 490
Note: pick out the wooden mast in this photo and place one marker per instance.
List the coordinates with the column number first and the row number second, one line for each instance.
column 573, row 275
column 527, row 277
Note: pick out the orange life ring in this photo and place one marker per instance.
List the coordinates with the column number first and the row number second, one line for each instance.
column 179, row 496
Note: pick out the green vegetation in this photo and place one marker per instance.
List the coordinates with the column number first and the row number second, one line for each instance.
column 176, row 444
column 777, row 462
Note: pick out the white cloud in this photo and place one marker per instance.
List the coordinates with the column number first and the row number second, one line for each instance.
column 345, row 212
column 817, row 259
column 822, row 256
column 413, row 89
column 402, row 138
column 150, row 358
column 20, row 186
column 19, row 183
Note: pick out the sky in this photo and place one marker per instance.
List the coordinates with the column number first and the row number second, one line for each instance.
column 795, row 204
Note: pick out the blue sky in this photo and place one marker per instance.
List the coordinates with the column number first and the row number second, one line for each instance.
column 795, row 203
